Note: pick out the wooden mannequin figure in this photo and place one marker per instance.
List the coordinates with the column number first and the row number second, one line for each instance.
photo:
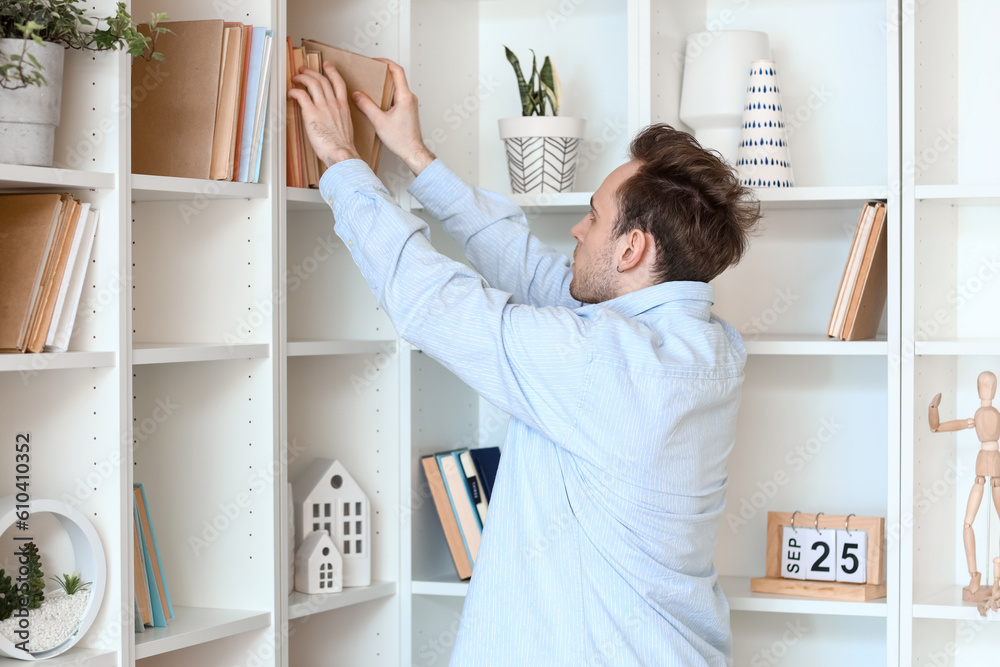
column 987, row 424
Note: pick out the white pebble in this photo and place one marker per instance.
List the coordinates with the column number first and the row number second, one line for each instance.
column 51, row 624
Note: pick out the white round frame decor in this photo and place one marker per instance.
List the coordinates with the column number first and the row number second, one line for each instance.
column 90, row 563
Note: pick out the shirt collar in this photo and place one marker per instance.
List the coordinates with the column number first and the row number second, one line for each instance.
column 640, row 301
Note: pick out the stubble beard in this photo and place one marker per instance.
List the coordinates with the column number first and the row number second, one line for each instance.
column 599, row 282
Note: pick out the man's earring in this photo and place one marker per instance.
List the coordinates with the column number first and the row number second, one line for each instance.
column 619, row 270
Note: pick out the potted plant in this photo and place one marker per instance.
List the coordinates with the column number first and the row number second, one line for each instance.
column 34, row 35
column 541, row 150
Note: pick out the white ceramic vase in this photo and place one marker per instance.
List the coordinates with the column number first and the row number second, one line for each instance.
column 542, row 152
column 716, row 69
column 763, row 159
column 29, row 116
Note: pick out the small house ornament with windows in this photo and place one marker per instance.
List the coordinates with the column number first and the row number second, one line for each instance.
column 327, row 498
column 319, row 567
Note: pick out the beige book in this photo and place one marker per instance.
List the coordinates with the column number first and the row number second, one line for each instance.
column 868, row 300
column 28, row 225
column 173, row 121
column 369, row 76
column 224, row 137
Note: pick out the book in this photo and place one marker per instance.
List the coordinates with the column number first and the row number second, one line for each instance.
column 253, row 80
column 311, row 62
column 474, row 485
column 293, row 140
column 260, row 114
column 868, row 300
column 54, row 270
column 154, row 565
column 223, row 138
column 142, row 599
column 67, row 316
column 838, row 304
column 27, row 229
column 303, row 144
column 487, row 460
column 452, row 533
column 839, row 316
column 368, row 75
column 155, row 601
column 63, row 292
column 241, row 108
column 461, row 504
column 176, row 100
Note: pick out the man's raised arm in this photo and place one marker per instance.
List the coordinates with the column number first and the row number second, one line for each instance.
column 490, row 228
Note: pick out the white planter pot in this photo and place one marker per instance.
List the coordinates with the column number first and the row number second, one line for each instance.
column 29, row 116
column 542, row 152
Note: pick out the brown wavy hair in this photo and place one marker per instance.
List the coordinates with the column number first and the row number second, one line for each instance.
column 690, row 201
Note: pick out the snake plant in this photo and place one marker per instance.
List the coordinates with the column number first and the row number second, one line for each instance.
column 540, row 87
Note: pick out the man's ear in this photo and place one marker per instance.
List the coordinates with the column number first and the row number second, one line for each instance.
column 634, row 250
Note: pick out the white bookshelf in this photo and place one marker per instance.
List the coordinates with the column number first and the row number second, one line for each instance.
column 236, row 306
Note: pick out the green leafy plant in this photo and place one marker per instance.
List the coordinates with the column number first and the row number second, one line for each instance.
column 71, row 583
column 9, row 596
column 36, row 578
column 540, row 87
column 65, row 22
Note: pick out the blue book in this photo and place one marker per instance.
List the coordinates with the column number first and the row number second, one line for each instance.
column 156, row 605
column 461, row 504
column 260, row 117
column 470, row 492
column 250, row 105
column 156, row 551
column 487, row 460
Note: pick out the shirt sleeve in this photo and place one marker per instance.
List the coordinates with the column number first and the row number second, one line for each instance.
column 530, row 362
column 494, row 234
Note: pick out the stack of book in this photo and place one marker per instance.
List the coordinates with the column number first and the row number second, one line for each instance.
column 461, row 484
column 45, row 246
column 199, row 113
column 861, row 297
column 152, row 598
column 368, row 75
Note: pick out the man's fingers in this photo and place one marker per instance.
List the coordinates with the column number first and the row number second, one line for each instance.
column 314, row 86
column 302, row 97
column 367, row 106
column 339, row 87
column 398, row 75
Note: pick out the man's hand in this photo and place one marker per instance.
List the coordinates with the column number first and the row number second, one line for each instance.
column 326, row 114
column 399, row 127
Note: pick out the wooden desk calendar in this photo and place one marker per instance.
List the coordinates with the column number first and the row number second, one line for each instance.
column 813, row 555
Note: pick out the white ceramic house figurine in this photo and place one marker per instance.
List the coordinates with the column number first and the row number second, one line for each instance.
column 319, row 567
column 327, row 498
column 987, row 424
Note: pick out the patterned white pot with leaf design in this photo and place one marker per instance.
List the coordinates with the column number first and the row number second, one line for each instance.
column 542, row 152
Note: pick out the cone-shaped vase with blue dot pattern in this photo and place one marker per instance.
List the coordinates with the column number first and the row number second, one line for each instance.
column 762, row 157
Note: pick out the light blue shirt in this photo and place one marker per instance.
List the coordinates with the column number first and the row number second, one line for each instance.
column 598, row 543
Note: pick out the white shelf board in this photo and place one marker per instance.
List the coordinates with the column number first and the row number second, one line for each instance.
column 451, row 588
column 179, row 353
column 168, row 188
column 962, row 194
column 972, row 346
column 948, row 604
column 771, row 198
column 815, row 344
column 48, row 361
column 195, row 625
column 302, row 604
column 741, row 598
column 305, row 199
column 819, row 197
column 22, row 177
column 320, row 348
column 74, row 657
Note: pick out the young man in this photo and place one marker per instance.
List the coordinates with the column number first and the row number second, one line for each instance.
column 622, row 387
